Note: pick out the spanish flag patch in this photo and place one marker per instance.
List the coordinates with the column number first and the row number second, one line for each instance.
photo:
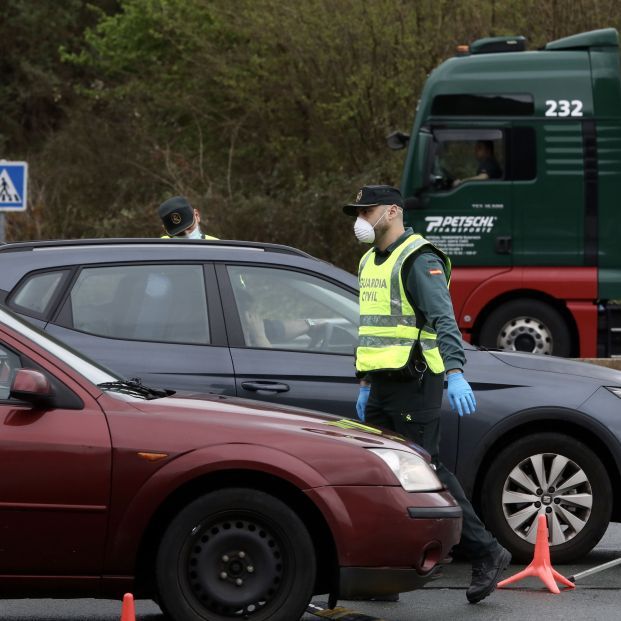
column 435, row 272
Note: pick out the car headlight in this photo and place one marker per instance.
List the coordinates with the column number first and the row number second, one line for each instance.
column 615, row 390
column 412, row 471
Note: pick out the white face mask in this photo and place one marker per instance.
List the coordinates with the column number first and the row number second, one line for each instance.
column 364, row 230
column 195, row 234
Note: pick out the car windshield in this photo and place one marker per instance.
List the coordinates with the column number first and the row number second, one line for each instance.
column 92, row 371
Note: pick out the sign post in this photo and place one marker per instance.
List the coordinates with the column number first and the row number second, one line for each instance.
column 13, row 189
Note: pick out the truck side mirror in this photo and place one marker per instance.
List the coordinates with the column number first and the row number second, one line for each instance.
column 397, row 140
column 31, row 386
column 422, row 161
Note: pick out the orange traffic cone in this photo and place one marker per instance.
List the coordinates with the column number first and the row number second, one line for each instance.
column 540, row 566
column 127, row 612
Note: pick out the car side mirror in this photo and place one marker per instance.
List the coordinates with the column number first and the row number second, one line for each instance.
column 397, row 140
column 31, row 386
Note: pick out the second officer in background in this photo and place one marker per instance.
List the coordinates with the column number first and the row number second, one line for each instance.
column 180, row 219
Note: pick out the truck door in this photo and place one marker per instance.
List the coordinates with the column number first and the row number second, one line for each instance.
column 550, row 210
column 467, row 208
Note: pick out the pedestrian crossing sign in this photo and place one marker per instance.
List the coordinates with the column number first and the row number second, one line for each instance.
column 13, row 185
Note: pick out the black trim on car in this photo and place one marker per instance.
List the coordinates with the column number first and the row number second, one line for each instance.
column 432, row 513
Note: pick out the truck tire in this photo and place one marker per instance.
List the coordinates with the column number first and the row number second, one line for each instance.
column 549, row 474
column 235, row 554
column 526, row 325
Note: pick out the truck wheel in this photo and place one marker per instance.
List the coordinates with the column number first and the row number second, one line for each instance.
column 529, row 326
column 235, row 554
column 547, row 474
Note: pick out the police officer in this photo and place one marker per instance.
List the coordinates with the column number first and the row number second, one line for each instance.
column 408, row 341
column 180, row 219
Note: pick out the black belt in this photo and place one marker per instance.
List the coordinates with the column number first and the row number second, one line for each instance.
column 412, row 371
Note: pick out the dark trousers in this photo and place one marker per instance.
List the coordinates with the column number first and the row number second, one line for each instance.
column 412, row 409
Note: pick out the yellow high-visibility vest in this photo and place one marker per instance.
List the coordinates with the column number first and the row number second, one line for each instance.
column 388, row 329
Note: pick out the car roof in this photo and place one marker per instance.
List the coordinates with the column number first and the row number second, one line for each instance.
column 138, row 242
column 20, row 258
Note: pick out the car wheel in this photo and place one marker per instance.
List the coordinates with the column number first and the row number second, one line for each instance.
column 548, row 474
column 527, row 325
column 235, row 553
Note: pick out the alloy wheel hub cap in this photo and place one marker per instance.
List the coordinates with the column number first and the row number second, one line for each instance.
column 547, row 484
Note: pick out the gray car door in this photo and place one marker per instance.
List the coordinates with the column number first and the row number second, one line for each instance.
column 157, row 321
column 292, row 335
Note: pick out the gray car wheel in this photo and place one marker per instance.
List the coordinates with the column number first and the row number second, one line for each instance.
column 553, row 475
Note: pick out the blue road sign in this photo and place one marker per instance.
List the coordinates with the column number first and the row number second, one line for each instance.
column 13, row 185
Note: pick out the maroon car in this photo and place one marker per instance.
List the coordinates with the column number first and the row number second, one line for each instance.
column 218, row 508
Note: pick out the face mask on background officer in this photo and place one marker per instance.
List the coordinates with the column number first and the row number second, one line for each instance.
column 194, row 230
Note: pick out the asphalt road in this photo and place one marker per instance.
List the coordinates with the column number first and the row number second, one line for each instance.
column 596, row 598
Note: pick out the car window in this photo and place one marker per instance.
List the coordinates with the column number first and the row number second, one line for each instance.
column 162, row 303
column 286, row 309
column 9, row 363
column 35, row 293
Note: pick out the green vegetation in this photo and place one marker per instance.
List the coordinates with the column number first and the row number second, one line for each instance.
column 267, row 114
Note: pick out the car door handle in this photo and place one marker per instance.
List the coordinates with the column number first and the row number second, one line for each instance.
column 265, row 386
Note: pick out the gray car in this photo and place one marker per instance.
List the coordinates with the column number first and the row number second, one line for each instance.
column 272, row 323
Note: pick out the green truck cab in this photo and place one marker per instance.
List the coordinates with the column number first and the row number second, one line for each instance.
column 514, row 169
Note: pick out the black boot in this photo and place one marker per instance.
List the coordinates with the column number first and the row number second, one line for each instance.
column 486, row 572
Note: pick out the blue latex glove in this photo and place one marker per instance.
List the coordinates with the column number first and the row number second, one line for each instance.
column 361, row 403
column 460, row 394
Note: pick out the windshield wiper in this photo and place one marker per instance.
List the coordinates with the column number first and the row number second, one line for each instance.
column 136, row 387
